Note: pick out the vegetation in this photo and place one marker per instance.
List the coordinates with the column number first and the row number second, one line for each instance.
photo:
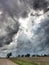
column 9, row 54
column 18, row 55
column 22, row 55
column 20, row 61
column 28, row 55
column 31, row 60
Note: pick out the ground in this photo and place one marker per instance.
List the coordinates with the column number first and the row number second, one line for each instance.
column 31, row 61
column 25, row 61
column 6, row 62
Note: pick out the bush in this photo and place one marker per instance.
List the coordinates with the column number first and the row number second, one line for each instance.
column 27, row 55
column 9, row 54
column 22, row 56
column 33, row 55
column 19, row 56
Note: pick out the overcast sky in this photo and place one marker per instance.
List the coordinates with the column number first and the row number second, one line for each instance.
column 24, row 27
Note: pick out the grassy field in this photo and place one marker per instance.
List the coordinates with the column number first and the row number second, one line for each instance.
column 31, row 61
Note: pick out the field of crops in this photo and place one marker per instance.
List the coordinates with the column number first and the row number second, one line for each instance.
column 31, row 61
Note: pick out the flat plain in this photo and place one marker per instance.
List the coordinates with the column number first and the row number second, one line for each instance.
column 31, row 60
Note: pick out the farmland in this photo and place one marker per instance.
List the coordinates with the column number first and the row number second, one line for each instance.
column 31, row 60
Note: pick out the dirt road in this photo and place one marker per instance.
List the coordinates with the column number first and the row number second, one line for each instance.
column 6, row 62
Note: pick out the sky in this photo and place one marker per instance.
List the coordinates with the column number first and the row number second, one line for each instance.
column 24, row 27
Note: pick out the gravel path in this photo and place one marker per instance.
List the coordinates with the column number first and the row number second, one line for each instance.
column 6, row 62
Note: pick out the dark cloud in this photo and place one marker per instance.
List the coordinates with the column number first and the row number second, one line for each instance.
column 24, row 14
column 5, row 40
column 39, row 4
column 5, row 24
column 10, row 9
column 19, row 8
column 11, row 27
column 13, row 8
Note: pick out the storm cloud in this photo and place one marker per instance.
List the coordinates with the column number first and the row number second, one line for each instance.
column 24, row 26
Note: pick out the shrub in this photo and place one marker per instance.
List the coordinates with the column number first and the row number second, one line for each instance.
column 9, row 54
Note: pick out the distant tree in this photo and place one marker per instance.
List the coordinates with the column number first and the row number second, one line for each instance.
column 22, row 55
column 33, row 55
column 19, row 56
column 27, row 55
column 45, row 55
column 38, row 55
column 9, row 54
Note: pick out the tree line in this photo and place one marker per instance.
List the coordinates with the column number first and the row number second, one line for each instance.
column 28, row 55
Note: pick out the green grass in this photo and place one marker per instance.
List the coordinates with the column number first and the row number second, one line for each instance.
column 31, row 61
column 25, row 63
column 21, row 62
